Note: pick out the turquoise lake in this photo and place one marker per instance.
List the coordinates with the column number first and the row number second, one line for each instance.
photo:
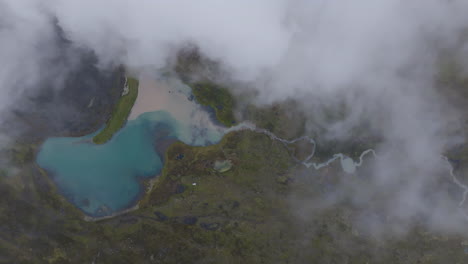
column 104, row 179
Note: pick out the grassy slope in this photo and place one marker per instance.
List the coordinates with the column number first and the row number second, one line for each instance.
column 216, row 97
column 245, row 215
column 242, row 216
column 120, row 114
column 189, row 64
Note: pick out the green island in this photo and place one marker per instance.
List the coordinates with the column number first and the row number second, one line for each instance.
column 121, row 112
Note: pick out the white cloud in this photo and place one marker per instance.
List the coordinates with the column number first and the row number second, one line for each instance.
column 377, row 56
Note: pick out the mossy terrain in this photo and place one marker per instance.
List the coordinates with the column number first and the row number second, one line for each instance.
column 287, row 121
column 257, row 212
column 216, row 97
column 266, row 208
column 198, row 72
column 120, row 113
column 284, row 120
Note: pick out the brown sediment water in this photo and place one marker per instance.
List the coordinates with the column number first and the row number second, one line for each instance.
column 152, row 96
column 169, row 94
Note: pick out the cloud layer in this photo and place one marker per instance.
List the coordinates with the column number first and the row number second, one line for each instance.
column 377, row 59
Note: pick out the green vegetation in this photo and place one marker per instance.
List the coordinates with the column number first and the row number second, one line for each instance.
column 260, row 211
column 120, row 114
column 216, row 97
column 264, row 209
column 284, row 120
column 191, row 63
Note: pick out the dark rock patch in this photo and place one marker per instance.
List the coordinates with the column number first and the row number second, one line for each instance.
column 210, row 226
column 180, row 189
column 190, row 220
column 235, row 204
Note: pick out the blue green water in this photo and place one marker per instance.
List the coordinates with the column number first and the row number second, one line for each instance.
column 104, row 179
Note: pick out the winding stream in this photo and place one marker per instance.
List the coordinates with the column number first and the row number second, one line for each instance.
column 102, row 180
column 347, row 164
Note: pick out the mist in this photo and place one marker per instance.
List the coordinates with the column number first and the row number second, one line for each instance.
column 379, row 60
